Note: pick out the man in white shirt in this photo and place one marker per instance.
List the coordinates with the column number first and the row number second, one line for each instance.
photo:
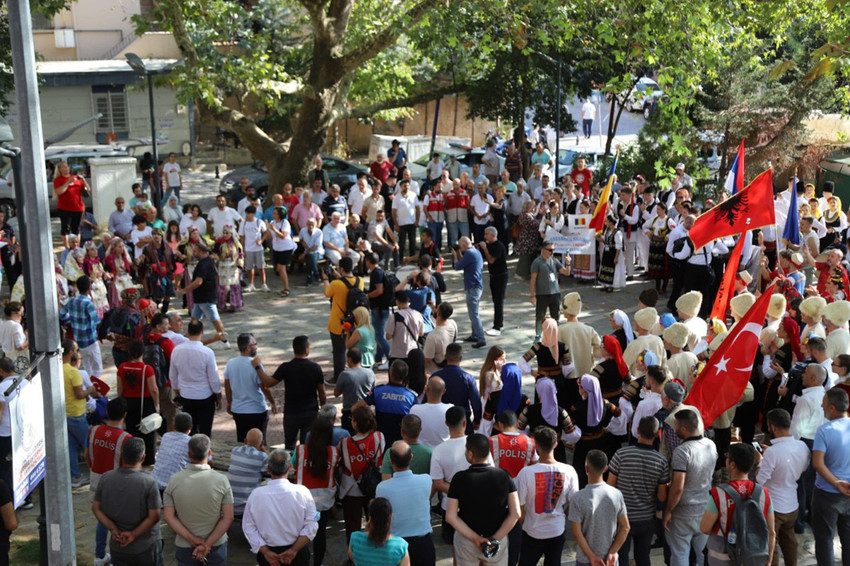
column 221, row 216
column 252, row 232
column 480, row 207
column 175, row 329
column 817, row 350
column 195, row 380
column 656, row 377
column 781, row 466
column 435, row 431
column 280, row 517
column 172, row 177
column 434, row 169
column 588, row 114
column 357, row 195
column 444, row 333
column 250, row 198
column 406, row 212
column 335, row 241
column 676, row 266
column 121, row 220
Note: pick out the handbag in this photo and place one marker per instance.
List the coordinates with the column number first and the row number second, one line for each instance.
column 371, row 476
column 152, row 422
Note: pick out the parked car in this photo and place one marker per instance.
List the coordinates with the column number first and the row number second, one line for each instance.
column 467, row 156
column 644, row 97
column 567, row 156
column 708, row 153
column 76, row 155
column 339, row 171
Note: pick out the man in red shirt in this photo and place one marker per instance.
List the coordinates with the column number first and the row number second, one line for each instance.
column 160, row 324
column 828, row 269
column 380, row 169
column 582, row 176
column 720, row 510
column 103, row 454
column 512, row 451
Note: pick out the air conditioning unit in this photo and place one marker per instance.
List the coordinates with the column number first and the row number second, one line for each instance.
column 64, row 38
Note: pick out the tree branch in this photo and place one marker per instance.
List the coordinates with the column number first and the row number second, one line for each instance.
column 410, row 100
column 385, row 37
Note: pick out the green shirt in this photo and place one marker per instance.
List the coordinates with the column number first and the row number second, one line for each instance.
column 420, row 464
column 197, row 494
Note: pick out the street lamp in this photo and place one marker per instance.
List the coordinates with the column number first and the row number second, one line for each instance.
column 557, row 63
column 139, row 67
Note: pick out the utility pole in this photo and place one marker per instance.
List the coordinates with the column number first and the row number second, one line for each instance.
column 42, row 306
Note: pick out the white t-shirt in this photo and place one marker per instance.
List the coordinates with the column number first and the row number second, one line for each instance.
column 174, row 337
column 405, row 208
column 355, row 200
column 434, row 429
column 481, row 206
column 434, row 170
column 447, row 459
column 544, row 490
column 11, row 337
column 283, row 244
column 253, row 231
column 588, row 111
column 137, row 235
column 245, row 203
column 187, row 222
column 172, row 173
column 221, row 218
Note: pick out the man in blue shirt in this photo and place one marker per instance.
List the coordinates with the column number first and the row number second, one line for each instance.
column 80, row 315
column 461, row 389
column 391, row 401
column 248, row 399
column 831, row 461
column 410, row 497
column 470, row 261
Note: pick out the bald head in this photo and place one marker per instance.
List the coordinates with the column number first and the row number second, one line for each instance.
column 400, row 456
column 435, row 389
column 254, row 438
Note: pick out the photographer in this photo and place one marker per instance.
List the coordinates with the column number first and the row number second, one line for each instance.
column 69, row 191
column 337, row 291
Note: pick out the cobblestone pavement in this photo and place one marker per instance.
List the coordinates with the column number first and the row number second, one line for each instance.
column 275, row 321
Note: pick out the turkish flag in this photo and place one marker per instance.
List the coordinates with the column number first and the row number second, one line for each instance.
column 727, row 284
column 722, row 382
column 745, row 210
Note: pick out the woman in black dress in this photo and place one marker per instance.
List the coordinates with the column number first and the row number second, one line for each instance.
column 551, row 356
column 592, row 414
column 612, row 372
column 546, row 412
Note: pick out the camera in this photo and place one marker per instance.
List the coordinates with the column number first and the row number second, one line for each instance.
column 329, row 271
column 490, row 548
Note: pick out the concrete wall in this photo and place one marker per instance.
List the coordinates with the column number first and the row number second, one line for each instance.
column 452, row 121
column 99, row 25
column 62, row 107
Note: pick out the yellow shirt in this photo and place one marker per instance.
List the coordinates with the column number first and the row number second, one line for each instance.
column 73, row 407
column 338, row 293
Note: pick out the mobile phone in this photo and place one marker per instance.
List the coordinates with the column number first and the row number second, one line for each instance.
column 758, row 447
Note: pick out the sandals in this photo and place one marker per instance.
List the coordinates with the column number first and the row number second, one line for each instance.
column 284, row 293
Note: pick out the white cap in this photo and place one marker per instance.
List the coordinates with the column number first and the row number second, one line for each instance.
column 680, row 166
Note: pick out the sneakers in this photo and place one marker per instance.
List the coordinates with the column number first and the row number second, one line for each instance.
column 479, row 345
column 330, row 382
column 383, row 366
column 249, row 289
column 494, row 332
column 27, row 505
column 265, row 288
column 105, row 561
column 79, row 481
column 469, row 339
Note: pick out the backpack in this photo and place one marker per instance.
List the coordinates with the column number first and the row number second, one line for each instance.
column 747, row 541
column 370, row 478
column 154, row 356
column 118, row 321
column 390, row 283
column 356, row 296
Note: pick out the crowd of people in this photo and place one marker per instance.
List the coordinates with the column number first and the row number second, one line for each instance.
column 604, row 442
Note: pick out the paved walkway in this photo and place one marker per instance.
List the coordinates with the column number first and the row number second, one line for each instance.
column 275, row 321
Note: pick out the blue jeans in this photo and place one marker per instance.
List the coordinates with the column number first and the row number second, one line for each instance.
column 830, row 513
column 78, row 431
column 473, row 298
column 216, row 557
column 586, row 126
column 101, row 533
column 437, row 228
column 379, row 322
column 312, row 259
column 457, row 229
column 685, row 534
column 205, row 310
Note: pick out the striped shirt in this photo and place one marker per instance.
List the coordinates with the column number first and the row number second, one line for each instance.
column 172, row 456
column 639, row 470
column 245, row 473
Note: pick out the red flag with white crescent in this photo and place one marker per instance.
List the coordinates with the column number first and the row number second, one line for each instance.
column 722, row 382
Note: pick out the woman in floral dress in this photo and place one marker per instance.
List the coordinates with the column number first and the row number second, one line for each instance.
column 98, row 275
column 187, row 249
column 528, row 240
column 228, row 254
column 118, row 266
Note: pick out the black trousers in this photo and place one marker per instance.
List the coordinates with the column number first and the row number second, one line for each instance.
column 640, row 534
column 550, row 302
column 478, row 232
column 696, row 278
column 338, row 352
column 135, row 414
column 301, row 559
column 320, row 543
column 295, row 427
column 421, row 550
column 498, row 288
column 676, row 270
column 514, row 544
column 203, row 413
column 549, row 548
column 408, row 233
column 247, row 421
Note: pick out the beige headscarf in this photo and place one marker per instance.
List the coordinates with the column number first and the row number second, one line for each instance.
column 550, row 337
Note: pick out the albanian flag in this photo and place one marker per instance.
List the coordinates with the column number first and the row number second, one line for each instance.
column 751, row 208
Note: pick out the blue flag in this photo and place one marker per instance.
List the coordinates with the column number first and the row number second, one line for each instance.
column 791, row 233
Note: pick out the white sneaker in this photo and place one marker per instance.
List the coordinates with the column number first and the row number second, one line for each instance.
column 250, row 289
column 383, row 366
column 265, row 288
column 493, row 332
column 105, row 561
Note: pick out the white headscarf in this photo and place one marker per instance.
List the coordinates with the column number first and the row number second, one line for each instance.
column 623, row 321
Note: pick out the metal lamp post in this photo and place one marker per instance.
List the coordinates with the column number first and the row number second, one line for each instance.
column 139, row 67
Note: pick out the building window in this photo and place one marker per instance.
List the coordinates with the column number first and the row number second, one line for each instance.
column 41, row 22
column 111, row 101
